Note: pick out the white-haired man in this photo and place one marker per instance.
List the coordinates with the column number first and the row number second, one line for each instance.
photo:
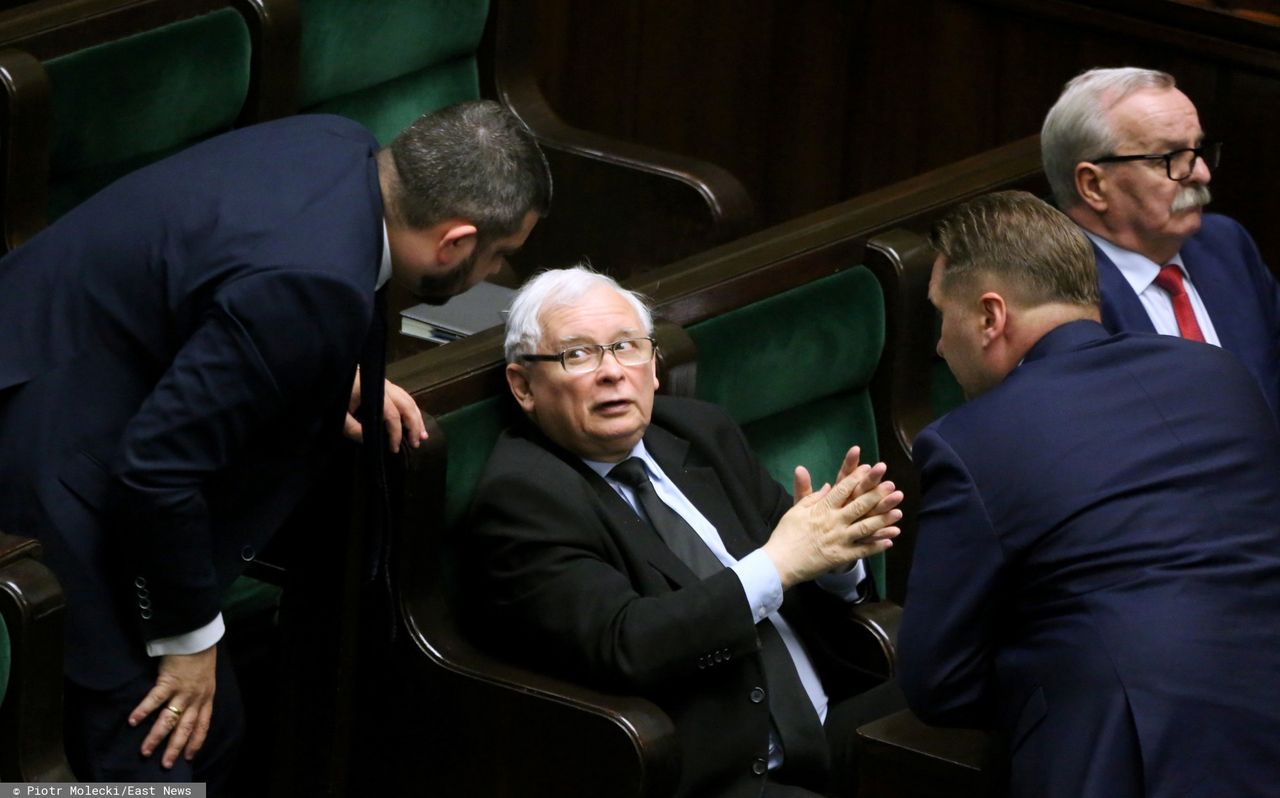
column 1128, row 161
column 634, row 543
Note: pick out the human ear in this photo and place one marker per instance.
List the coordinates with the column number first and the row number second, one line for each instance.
column 1091, row 186
column 518, row 381
column 457, row 242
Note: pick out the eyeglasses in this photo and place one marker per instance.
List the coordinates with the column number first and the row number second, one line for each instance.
column 1178, row 164
column 585, row 358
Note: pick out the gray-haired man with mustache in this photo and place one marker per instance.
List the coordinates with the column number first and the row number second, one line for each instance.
column 1128, row 161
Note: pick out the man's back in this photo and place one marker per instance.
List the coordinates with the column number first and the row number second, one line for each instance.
column 1102, row 536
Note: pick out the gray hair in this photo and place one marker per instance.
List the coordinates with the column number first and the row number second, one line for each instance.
column 553, row 289
column 473, row 160
column 1076, row 127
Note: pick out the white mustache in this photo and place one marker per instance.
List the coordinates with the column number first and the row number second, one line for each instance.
column 1190, row 197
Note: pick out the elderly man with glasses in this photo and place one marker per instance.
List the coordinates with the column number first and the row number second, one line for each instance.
column 634, row 543
column 1128, row 161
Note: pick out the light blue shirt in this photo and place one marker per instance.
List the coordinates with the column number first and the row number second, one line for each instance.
column 760, row 580
column 1140, row 272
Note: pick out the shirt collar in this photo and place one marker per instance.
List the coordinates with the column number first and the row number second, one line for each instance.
column 1138, row 270
column 384, row 269
column 639, row 451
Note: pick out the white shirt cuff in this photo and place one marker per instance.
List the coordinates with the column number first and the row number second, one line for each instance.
column 847, row 584
column 761, row 583
column 189, row 643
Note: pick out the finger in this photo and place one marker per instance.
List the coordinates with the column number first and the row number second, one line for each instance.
column 166, row 722
column 179, row 736
column 201, row 731
column 153, row 700
column 862, row 505
column 410, row 414
column 351, row 429
column 851, row 459
column 890, row 499
column 852, row 485
column 802, row 482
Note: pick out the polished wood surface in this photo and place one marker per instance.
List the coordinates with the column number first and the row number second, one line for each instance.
column 814, row 102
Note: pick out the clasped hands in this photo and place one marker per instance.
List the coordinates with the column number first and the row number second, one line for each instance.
column 831, row 528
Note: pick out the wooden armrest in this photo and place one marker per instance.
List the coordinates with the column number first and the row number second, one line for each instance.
column 877, row 644
column 629, row 207
column 24, row 137
column 32, row 603
column 900, row 755
column 553, row 737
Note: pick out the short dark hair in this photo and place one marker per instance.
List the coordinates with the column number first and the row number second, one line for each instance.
column 1036, row 251
column 474, row 160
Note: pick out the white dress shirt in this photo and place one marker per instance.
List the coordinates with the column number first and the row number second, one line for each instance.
column 1140, row 272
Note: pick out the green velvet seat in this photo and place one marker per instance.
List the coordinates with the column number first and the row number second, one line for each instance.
column 384, row 64
column 124, row 103
column 795, row 369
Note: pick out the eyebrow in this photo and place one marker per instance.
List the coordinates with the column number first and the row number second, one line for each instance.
column 628, row 332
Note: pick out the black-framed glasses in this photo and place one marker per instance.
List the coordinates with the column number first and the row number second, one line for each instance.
column 1178, row 164
column 585, row 358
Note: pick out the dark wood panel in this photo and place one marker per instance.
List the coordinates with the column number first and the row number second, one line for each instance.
column 818, row 101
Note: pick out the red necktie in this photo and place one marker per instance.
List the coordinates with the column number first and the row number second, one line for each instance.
column 1170, row 279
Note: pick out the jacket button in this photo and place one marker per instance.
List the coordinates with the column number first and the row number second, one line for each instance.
column 247, row 554
column 757, row 695
column 140, row 582
column 144, row 603
column 759, row 767
column 146, row 614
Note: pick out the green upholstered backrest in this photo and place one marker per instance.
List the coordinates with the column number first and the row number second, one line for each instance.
column 384, row 64
column 125, row 103
column 472, row 432
column 6, row 657
column 794, row 370
column 248, row 598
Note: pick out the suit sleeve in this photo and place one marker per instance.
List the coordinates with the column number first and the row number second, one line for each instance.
column 946, row 640
column 271, row 346
column 554, row 590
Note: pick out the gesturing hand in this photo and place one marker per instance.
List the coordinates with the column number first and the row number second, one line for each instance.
column 836, row 526
column 183, row 695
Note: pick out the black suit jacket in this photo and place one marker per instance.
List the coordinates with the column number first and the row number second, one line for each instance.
column 179, row 349
column 569, row 579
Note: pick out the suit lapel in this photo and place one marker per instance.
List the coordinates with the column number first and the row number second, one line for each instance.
column 1121, row 309
column 1221, row 299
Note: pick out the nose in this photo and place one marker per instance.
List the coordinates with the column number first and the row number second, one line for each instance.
column 1201, row 173
column 610, row 368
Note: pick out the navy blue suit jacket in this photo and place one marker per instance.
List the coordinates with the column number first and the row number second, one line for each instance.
column 1098, row 570
column 1240, row 294
column 178, row 350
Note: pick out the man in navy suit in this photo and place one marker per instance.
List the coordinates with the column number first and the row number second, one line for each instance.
column 180, row 352
column 1097, row 573
column 1127, row 159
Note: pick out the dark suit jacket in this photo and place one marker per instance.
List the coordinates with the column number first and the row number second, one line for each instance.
column 1240, row 294
column 569, row 579
column 1098, row 570
column 177, row 350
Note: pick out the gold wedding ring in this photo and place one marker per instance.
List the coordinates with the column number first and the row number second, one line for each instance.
column 177, row 713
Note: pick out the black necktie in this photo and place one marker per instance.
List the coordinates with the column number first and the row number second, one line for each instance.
column 804, row 744
column 674, row 530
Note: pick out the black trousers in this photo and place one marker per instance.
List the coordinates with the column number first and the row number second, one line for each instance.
column 102, row 746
